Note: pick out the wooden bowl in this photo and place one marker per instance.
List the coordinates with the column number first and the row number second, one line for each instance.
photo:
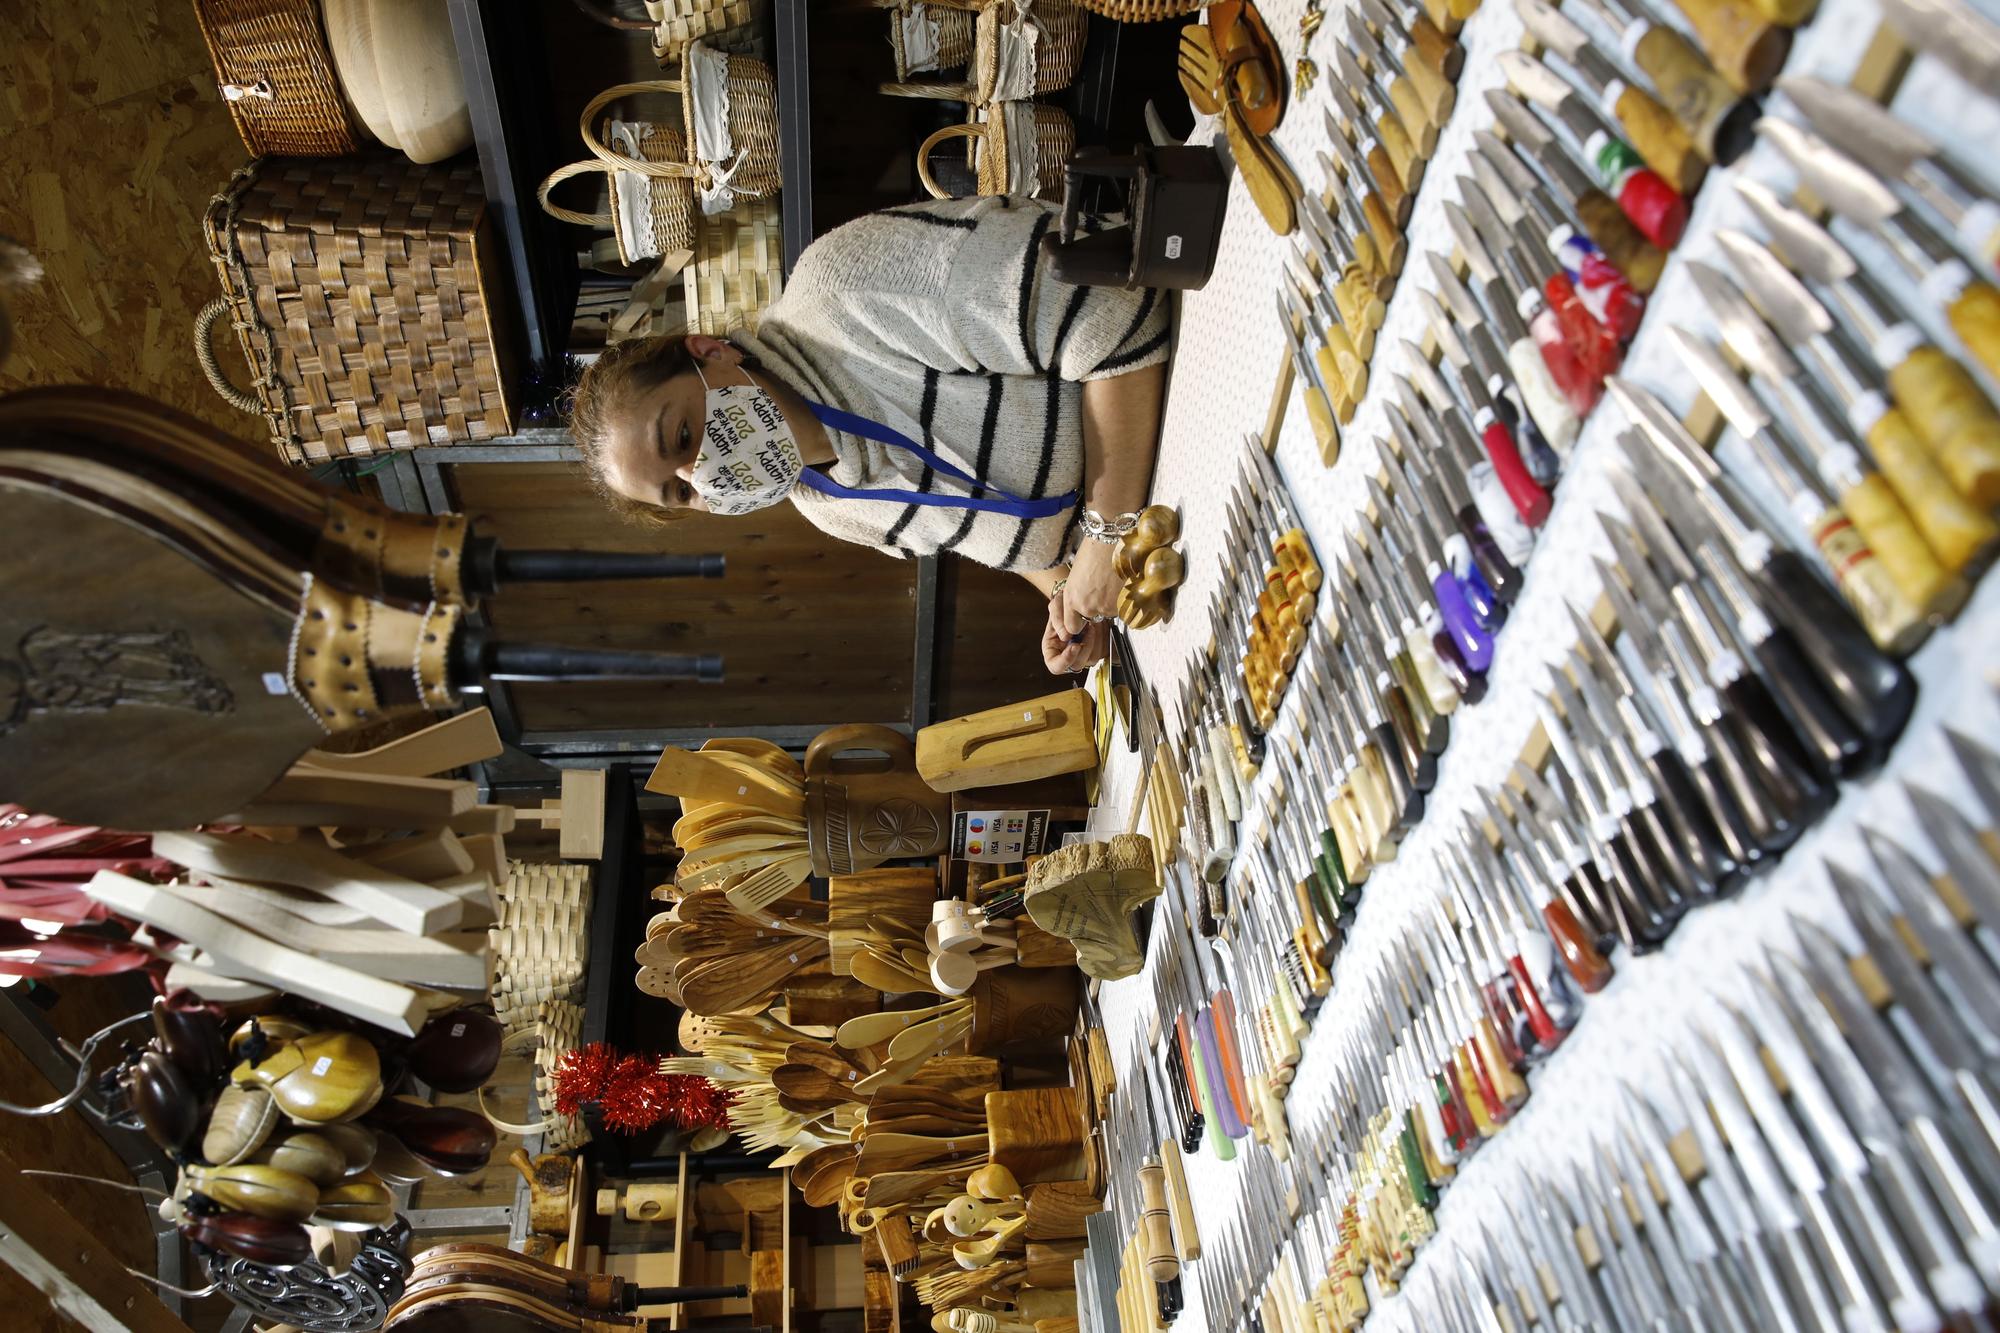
column 399, row 68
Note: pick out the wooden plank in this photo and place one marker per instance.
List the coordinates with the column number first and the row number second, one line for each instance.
column 254, row 958
column 70, row 1264
column 389, row 898
column 769, row 1305
column 582, row 828
column 457, row 959
column 682, row 1202
column 419, row 801
column 484, row 819
column 456, row 742
column 430, row 856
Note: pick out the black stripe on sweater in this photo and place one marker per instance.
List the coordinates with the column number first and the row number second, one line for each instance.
column 1138, row 320
column 1051, row 415
column 932, row 219
column 924, row 415
column 988, row 431
column 1138, row 353
column 1030, row 265
column 1062, row 330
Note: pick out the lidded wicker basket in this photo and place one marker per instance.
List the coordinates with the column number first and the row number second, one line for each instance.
column 366, row 299
column 274, row 69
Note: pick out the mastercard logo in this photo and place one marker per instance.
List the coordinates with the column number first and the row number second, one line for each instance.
column 978, row 826
column 976, row 848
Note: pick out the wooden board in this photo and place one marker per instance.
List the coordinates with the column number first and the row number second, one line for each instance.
column 389, row 898
column 1035, row 738
column 582, row 831
column 454, row 742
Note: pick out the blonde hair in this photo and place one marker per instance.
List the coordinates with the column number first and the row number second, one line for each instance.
column 607, row 388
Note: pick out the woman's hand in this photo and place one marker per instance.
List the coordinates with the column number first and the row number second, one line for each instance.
column 1061, row 655
column 1091, row 591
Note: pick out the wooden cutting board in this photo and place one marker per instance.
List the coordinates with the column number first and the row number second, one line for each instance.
column 1019, row 743
column 714, row 777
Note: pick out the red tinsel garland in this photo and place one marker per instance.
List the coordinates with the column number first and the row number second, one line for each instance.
column 633, row 1095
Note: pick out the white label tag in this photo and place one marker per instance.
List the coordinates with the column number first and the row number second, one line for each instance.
column 321, row 1065
column 274, row 683
column 458, row 1029
column 1174, row 246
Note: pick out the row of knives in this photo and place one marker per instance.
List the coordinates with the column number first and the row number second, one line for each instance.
column 1756, row 661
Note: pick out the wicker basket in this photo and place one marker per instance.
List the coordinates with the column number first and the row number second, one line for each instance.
column 753, row 169
column 953, row 38
column 738, row 268
column 1003, row 135
column 366, row 298
column 1143, row 11
column 1057, row 54
column 273, row 68
column 669, row 199
column 727, row 24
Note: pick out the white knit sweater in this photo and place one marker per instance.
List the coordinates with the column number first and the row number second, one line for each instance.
column 942, row 321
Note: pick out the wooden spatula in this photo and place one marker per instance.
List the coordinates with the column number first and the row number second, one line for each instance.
column 908, row 1152
column 724, row 985
column 760, row 889
column 685, row 773
column 1200, row 69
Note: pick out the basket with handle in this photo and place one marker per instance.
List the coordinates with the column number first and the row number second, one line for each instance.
column 274, row 70
column 738, row 268
column 928, row 38
column 745, row 162
column 672, row 24
column 1025, row 48
column 364, row 295
column 658, row 218
column 1018, row 148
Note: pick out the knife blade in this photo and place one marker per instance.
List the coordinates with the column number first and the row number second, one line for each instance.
column 1953, row 32
column 1955, row 962
column 1966, row 857
column 1815, row 1043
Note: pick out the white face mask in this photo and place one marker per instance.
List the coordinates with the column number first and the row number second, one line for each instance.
column 748, row 459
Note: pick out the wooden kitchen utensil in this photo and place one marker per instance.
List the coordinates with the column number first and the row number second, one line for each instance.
column 1019, row 743
column 261, row 1191
column 863, row 811
column 710, row 776
column 874, row 1029
column 1086, row 892
column 1038, row 1133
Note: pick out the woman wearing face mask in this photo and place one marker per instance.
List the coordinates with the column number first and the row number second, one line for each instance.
column 924, row 384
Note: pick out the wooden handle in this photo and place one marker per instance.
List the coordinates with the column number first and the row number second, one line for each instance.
column 1885, row 525
column 1955, row 419
column 830, row 744
column 1389, row 183
column 1955, row 529
column 1372, row 307
column 1443, row 14
column 1369, row 784
column 1791, row 13
column 1341, row 816
column 1690, row 87
column 1437, row 93
column 1513, row 1091
column 1034, row 718
column 1437, row 51
column 1622, row 243
column 1975, row 318
column 1416, row 117
column 1403, row 154
column 1892, row 620
column 1661, row 140
column 1390, row 242
column 1162, row 1263
column 1745, row 47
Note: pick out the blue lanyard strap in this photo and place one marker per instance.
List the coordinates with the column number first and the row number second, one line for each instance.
column 1014, row 506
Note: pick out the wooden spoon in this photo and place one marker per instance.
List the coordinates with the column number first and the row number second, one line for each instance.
column 890, row 1188
column 907, row 1152
column 930, row 1038
column 803, row 1083
column 823, row 1173
column 873, row 1029
column 891, row 978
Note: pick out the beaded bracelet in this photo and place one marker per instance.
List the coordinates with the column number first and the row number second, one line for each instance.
column 1107, row 530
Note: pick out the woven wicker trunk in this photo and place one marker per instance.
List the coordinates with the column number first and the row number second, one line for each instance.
column 369, row 300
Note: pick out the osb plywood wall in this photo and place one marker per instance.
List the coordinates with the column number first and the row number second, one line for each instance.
column 114, row 139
